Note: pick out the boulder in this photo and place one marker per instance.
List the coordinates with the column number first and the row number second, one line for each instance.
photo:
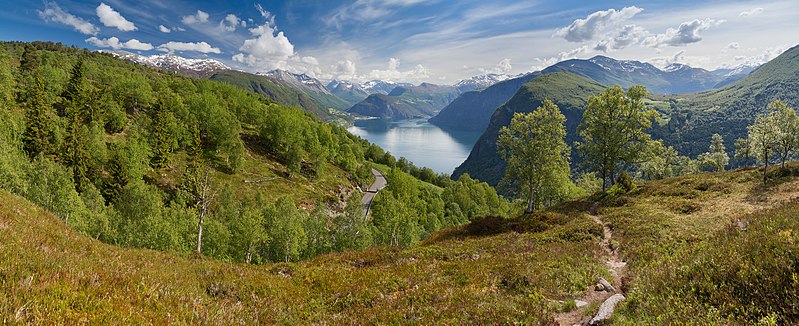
column 606, row 285
column 606, row 310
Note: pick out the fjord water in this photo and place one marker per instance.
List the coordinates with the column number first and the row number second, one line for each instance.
column 424, row 144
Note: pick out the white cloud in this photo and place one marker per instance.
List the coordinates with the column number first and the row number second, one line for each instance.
column 201, row 47
column 310, row 60
column 503, row 67
column 199, row 17
column 164, row 29
column 629, row 35
column 419, row 72
column 733, row 46
column 52, row 12
column 113, row 42
column 565, row 55
column 753, row 12
column 343, row 70
column 587, row 29
column 111, row 18
column 269, row 49
column 230, row 23
column 686, row 33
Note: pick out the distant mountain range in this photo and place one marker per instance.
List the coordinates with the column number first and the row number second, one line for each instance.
column 472, row 110
column 687, row 120
column 200, row 68
column 405, row 102
column 481, row 82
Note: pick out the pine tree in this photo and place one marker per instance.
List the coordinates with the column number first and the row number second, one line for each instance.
column 536, row 152
column 164, row 135
column 39, row 136
column 76, row 153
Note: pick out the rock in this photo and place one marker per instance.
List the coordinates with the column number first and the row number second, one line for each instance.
column 606, row 285
column 606, row 309
column 580, row 303
column 599, row 287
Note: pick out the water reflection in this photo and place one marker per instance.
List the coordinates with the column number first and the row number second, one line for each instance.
column 420, row 142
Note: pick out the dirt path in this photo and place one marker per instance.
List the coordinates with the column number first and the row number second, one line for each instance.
column 616, row 267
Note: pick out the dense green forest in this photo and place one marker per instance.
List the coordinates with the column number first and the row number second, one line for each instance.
column 137, row 157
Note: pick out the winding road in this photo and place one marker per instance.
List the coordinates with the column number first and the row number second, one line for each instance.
column 371, row 192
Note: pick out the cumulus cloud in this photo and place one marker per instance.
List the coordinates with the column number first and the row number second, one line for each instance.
column 52, row 12
column 111, row 18
column 114, row 43
column 269, row 49
column 753, row 12
column 565, row 55
column 733, row 46
column 344, row 70
column 164, row 29
column 199, row 17
column 587, row 29
column 310, row 60
column 686, row 33
column 629, row 35
column 502, row 67
column 201, row 47
column 393, row 73
column 230, row 23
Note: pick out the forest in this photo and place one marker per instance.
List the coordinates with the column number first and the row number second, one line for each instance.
column 141, row 158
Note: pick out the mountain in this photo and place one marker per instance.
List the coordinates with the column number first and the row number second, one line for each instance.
column 480, row 82
column 693, row 118
column 274, row 89
column 687, row 120
column 312, row 87
column 734, row 74
column 381, row 86
column 350, row 92
column 198, row 68
column 472, row 111
column 569, row 91
column 405, row 102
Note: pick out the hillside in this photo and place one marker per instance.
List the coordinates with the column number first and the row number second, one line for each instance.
column 352, row 93
column 728, row 110
column 473, row 110
column 311, row 87
column 405, row 102
column 569, row 91
column 491, row 271
column 275, row 90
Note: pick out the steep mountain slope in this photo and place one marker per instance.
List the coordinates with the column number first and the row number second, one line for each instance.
column 407, row 102
column 381, row 86
column 350, row 92
column 728, row 110
column 473, row 110
column 312, row 87
column 274, row 89
column 569, row 91
column 688, row 120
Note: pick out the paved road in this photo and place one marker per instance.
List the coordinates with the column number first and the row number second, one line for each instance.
column 369, row 195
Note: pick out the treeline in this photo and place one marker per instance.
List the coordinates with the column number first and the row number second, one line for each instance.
column 615, row 146
column 137, row 157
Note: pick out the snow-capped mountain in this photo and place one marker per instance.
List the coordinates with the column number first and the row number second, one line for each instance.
column 381, row 86
column 676, row 67
column 625, row 66
column 480, row 82
column 297, row 80
column 348, row 91
column 174, row 63
column 742, row 69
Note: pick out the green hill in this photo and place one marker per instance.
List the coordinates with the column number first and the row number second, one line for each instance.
column 407, row 102
column 687, row 261
column 280, row 92
column 569, row 91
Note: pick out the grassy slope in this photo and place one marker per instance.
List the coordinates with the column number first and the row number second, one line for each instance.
column 52, row 274
column 688, row 262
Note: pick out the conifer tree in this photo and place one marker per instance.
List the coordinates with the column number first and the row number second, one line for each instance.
column 39, row 136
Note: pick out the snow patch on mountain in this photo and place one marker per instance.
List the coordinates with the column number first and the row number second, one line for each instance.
column 481, row 81
column 173, row 63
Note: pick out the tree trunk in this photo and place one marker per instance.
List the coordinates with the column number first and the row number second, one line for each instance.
column 604, row 181
column 765, row 168
column 531, row 199
column 200, row 230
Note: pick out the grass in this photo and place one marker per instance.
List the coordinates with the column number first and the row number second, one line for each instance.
column 688, row 263
column 51, row 274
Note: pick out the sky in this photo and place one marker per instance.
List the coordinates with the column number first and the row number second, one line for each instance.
column 436, row 41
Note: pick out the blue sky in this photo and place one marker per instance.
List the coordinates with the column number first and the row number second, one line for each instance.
column 438, row 41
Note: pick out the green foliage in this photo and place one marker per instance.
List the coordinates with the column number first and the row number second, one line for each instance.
column 40, row 133
column 537, row 155
column 786, row 124
column 717, row 157
column 612, row 131
column 287, row 236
